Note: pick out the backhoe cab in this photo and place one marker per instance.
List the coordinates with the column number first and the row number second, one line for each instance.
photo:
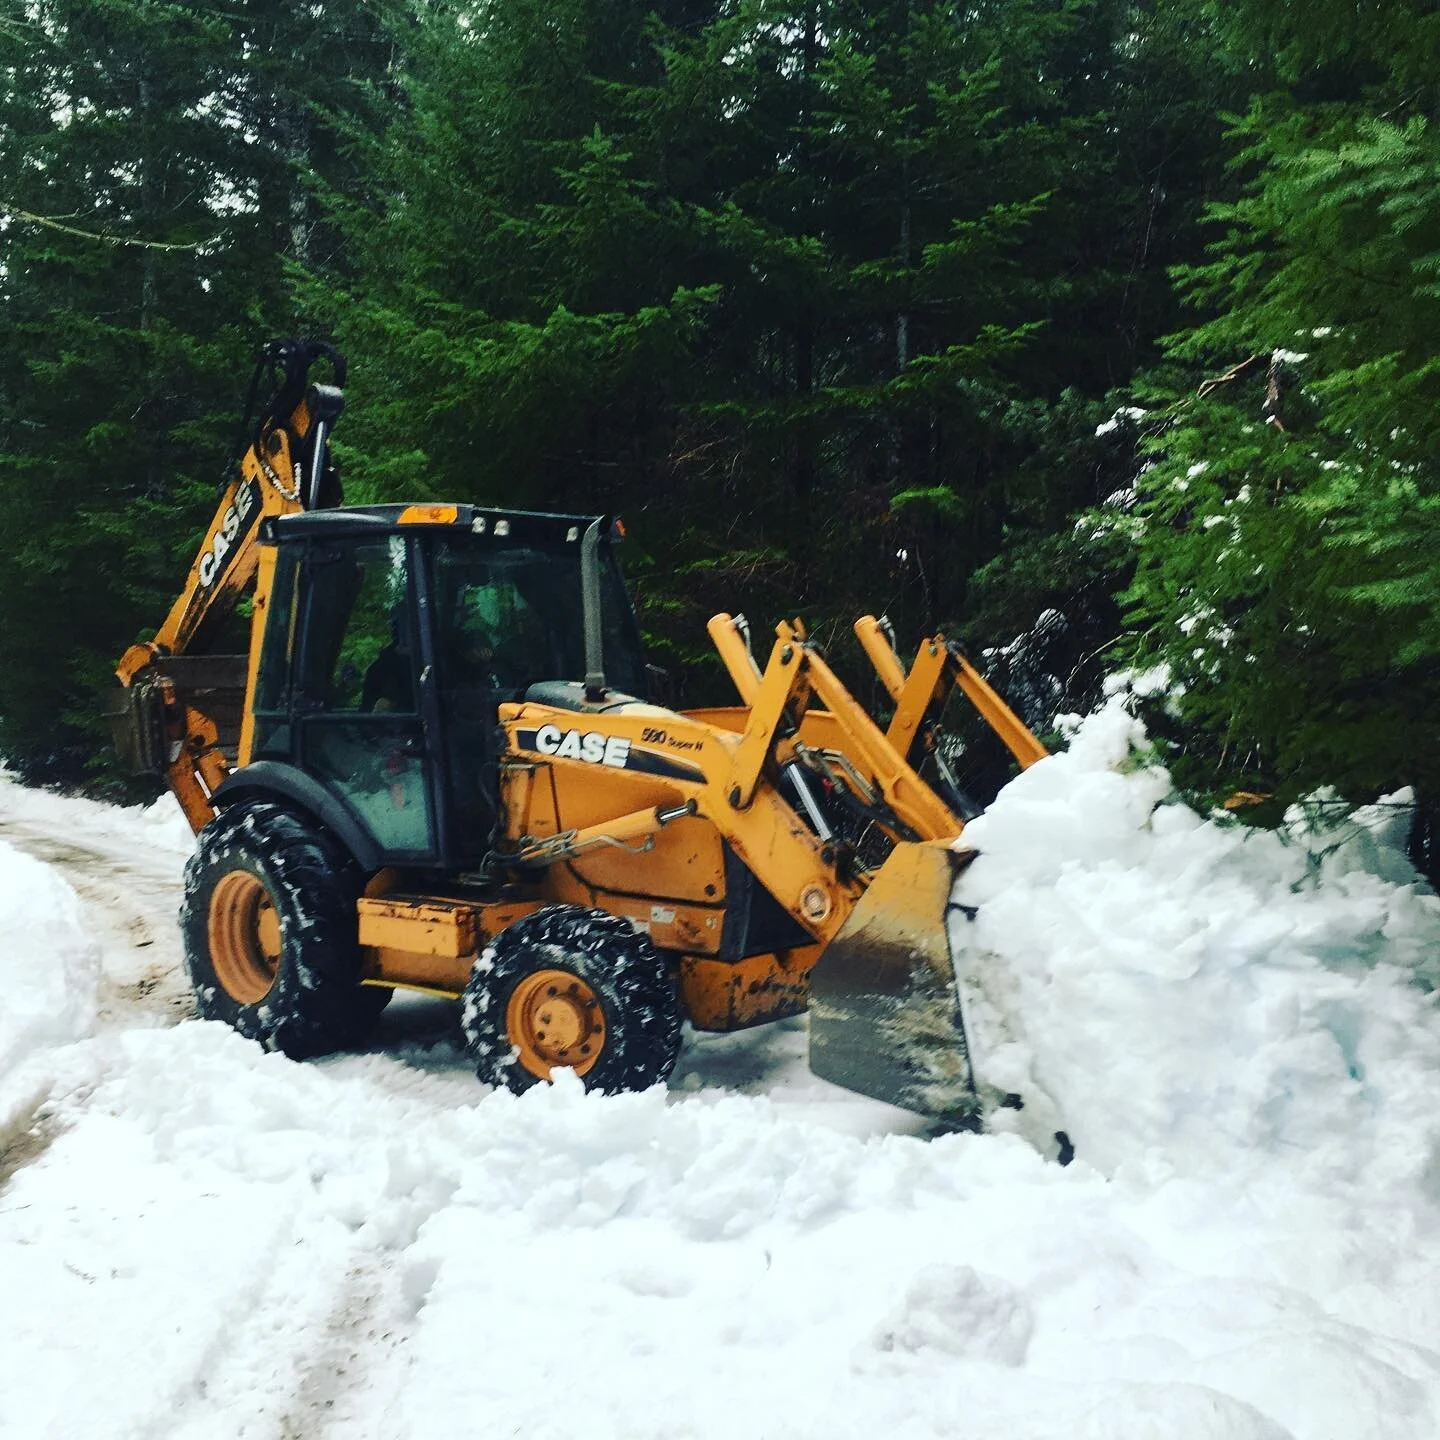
column 390, row 637
column 437, row 768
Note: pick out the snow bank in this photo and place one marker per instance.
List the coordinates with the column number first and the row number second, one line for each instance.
column 1167, row 987
column 358, row 1249
column 1247, row 1246
column 160, row 826
column 49, row 972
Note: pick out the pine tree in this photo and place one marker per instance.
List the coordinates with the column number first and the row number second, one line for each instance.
column 793, row 285
column 148, row 206
column 1286, row 562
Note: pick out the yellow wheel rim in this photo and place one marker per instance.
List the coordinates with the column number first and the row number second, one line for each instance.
column 244, row 933
column 554, row 1020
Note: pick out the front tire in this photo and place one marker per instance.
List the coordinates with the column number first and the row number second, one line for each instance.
column 269, row 927
column 569, row 988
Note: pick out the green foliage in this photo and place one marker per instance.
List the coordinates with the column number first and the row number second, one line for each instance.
column 787, row 280
column 829, row 299
column 152, row 158
column 1286, row 564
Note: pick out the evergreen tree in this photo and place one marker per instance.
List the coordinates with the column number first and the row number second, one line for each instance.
column 793, row 285
column 1158, row 79
column 828, row 298
column 1286, row 560
column 148, row 201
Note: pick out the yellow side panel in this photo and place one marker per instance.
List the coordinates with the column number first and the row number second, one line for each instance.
column 527, row 801
column 421, row 926
column 684, row 861
column 723, row 995
column 670, row 926
column 589, row 794
column 727, row 717
column 410, row 970
column 429, row 943
column 685, row 865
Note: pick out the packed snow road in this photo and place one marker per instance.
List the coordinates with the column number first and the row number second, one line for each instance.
column 201, row 1240
column 127, row 877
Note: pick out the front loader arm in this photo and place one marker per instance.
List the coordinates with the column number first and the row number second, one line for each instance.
column 939, row 667
column 818, row 890
column 885, row 1017
column 781, row 724
column 285, row 468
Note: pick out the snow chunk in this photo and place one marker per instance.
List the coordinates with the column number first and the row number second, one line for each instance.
column 957, row 1311
column 1124, row 413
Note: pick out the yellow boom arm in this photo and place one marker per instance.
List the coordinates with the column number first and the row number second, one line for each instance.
column 166, row 724
column 938, row 668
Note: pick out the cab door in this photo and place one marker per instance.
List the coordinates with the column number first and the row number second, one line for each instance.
column 357, row 693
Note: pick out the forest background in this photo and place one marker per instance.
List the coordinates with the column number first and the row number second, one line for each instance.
column 1099, row 333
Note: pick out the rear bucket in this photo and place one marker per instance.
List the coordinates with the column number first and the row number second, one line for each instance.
column 885, row 1015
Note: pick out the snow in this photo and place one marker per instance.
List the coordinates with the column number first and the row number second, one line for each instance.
column 1126, row 414
column 213, row 1241
column 157, row 828
column 1263, row 985
column 49, row 974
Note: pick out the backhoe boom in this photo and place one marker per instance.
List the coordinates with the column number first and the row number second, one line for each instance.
column 166, row 721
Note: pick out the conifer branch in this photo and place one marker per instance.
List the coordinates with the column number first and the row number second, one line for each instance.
column 1236, row 372
column 17, row 214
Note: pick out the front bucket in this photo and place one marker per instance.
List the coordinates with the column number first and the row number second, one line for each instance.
column 884, row 1009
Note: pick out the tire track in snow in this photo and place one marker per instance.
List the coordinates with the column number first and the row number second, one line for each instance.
column 325, row 1320
column 127, row 890
column 358, row 1353
column 303, row 1362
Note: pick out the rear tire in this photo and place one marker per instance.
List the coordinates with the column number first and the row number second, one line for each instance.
column 269, row 927
column 574, row 989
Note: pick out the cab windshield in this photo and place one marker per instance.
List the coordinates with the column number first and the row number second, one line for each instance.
column 509, row 618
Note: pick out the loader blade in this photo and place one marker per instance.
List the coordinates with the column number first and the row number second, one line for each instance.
column 884, row 1007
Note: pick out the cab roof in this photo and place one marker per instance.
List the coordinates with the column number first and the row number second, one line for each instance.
column 501, row 527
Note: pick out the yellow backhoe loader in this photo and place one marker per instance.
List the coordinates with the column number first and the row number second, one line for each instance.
column 436, row 768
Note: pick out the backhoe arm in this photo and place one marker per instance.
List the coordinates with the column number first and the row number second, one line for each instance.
column 165, row 723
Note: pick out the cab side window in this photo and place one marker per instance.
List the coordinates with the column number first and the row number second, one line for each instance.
column 359, row 654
